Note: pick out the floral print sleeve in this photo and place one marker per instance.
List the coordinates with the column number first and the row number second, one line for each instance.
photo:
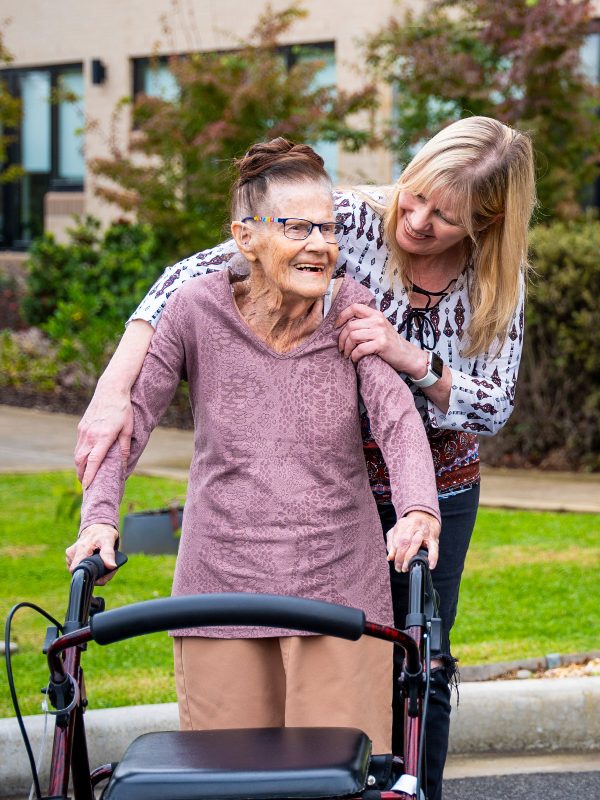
column 202, row 263
column 482, row 396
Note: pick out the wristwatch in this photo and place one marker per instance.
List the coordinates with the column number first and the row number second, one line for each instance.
column 435, row 368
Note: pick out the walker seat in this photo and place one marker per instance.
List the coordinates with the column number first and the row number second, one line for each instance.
column 253, row 764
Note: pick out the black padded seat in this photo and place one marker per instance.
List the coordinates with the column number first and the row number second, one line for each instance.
column 246, row 763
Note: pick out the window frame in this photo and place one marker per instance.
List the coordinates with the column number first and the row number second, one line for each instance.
column 13, row 225
column 290, row 52
column 11, row 76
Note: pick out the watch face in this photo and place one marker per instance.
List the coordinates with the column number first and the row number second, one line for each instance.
column 436, row 365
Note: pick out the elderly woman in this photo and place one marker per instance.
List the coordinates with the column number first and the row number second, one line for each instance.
column 278, row 496
column 445, row 253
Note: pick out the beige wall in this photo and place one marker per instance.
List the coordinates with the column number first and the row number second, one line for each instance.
column 45, row 32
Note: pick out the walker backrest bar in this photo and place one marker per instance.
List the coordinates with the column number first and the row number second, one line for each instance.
column 199, row 611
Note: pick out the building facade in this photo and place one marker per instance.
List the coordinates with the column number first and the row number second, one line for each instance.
column 100, row 53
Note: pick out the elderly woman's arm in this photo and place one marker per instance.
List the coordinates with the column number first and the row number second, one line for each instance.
column 398, row 430
column 151, row 394
column 108, row 417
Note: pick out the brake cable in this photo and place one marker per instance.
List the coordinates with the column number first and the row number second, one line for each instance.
column 11, row 684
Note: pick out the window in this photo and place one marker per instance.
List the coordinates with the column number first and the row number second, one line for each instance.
column 326, row 76
column 590, row 55
column 590, row 62
column 154, row 78
column 48, row 145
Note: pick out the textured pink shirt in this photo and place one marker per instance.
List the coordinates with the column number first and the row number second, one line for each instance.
column 278, row 496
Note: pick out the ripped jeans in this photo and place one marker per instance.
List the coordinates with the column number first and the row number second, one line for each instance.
column 458, row 520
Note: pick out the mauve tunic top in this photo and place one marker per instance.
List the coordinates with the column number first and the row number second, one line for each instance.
column 278, row 496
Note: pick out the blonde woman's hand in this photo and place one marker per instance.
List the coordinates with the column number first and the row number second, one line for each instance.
column 108, row 418
column 99, row 537
column 365, row 331
column 415, row 530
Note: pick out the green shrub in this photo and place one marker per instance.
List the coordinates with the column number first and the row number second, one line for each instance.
column 26, row 361
column 81, row 293
column 516, row 61
column 52, row 267
column 556, row 422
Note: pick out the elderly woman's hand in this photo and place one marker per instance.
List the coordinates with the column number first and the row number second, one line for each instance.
column 415, row 530
column 96, row 537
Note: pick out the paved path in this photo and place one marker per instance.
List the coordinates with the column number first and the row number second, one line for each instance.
column 39, row 441
column 503, row 729
column 554, row 776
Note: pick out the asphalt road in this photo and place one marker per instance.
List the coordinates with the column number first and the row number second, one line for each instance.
column 536, row 786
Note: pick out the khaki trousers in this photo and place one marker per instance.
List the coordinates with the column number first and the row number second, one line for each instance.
column 290, row 681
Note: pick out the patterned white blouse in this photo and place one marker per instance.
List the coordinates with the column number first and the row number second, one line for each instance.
column 483, row 386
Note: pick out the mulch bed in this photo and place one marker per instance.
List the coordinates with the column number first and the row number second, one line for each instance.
column 75, row 401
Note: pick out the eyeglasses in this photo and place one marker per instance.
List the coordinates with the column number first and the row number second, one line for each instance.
column 302, row 228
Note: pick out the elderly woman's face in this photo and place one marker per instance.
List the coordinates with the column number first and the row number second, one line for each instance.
column 425, row 226
column 296, row 267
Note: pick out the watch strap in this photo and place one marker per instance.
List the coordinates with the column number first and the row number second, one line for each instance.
column 433, row 374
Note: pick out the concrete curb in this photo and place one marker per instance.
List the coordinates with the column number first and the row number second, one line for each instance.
column 518, row 716
column 554, row 715
column 489, row 672
column 109, row 732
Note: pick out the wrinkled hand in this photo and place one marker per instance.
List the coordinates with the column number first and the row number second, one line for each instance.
column 96, row 537
column 415, row 530
column 365, row 331
column 108, row 417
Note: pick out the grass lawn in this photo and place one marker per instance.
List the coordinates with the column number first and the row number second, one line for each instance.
column 530, row 588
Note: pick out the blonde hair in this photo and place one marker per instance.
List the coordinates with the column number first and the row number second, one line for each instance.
column 488, row 168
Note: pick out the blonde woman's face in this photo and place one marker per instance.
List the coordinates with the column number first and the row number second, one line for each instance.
column 426, row 226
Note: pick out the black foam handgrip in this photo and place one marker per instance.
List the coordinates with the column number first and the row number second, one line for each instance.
column 422, row 557
column 207, row 610
column 95, row 566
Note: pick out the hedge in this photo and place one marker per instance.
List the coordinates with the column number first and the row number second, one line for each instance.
column 556, row 421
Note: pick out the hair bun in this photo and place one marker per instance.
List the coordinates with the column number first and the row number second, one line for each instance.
column 274, row 156
column 266, row 163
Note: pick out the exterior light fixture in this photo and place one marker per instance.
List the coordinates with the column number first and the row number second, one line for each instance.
column 98, row 71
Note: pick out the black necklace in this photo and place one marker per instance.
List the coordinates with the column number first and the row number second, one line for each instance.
column 417, row 322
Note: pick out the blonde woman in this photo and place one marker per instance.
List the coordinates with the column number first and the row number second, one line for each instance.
column 445, row 254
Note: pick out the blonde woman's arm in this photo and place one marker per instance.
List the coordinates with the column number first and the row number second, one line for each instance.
column 108, row 418
column 482, row 391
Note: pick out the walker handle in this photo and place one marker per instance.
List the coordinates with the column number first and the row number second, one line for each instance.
column 206, row 610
